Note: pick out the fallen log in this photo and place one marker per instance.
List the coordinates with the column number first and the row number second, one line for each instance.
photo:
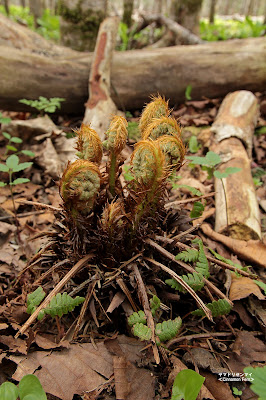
column 212, row 69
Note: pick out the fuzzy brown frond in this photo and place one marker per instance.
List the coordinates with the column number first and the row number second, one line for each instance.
column 157, row 108
column 116, row 135
column 173, row 150
column 162, row 126
column 79, row 186
column 89, row 144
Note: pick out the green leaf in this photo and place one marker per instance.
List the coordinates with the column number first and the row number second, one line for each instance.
column 197, row 209
column 218, row 308
column 22, row 166
column 261, row 285
column 4, row 120
column 12, row 161
column 236, row 392
column 28, row 153
column 193, row 190
column 61, row 304
column 259, row 384
column 137, row 317
column 167, row 330
column 15, row 139
column 202, row 265
column 195, row 281
column 155, row 304
column 8, row 391
column 34, row 299
column 187, row 385
column 210, row 160
column 188, row 92
column 2, row 184
column 4, row 168
column 142, row 331
column 11, row 148
column 5, row 134
column 193, row 144
column 19, row 180
column 30, row 388
column 226, row 173
column 227, row 261
column 188, row 255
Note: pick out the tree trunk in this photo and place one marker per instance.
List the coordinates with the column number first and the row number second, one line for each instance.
column 212, row 11
column 127, row 14
column 135, row 75
column 36, row 9
column 80, row 21
column 187, row 13
column 6, row 5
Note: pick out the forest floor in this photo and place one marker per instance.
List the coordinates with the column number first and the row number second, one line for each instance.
column 88, row 362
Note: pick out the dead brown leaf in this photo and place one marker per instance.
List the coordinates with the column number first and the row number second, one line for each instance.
column 220, row 390
column 204, row 359
column 14, row 345
column 242, row 287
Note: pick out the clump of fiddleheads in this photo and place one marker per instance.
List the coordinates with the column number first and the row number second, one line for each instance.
column 173, row 149
column 162, row 126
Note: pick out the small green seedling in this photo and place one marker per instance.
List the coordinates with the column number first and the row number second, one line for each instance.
column 16, row 140
column 236, row 392
column 193, row 144
column 4, row 120
column 197, row 210
column 29, row 388
column 187, row 385
column 188, row 92
column 258, row 385
column 44, row 104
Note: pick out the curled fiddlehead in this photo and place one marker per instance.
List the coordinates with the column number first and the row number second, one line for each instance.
column 173, row 149
column 162, row 126
column 157, row 108
column 89, row 144
column 79, row 187
column 115, row 142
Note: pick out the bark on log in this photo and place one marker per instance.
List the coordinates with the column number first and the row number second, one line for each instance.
column 212, row 69
column 237, row 210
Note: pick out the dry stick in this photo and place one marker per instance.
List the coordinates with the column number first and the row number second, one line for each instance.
column 147, row 310
column 187, row 268
column 124, row 288
column 56, row 290
column 177, row 202
column 212, row 259
column 197, row 336
column 41, row 205
column 84, row 307
column 50, row 270
column 185, row 286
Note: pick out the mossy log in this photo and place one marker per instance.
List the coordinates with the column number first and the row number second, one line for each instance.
column 212, row 69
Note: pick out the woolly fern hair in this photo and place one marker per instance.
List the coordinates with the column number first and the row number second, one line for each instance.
column 157, row 108
column 162, row 126
column 89, row 144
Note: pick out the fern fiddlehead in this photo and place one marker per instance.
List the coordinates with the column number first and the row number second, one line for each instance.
column 162, row 126
column 157, row 108
column 89, row 144
column 79, row 186
column 173, row 150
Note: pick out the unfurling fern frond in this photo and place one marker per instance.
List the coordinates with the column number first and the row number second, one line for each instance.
column 218, row 308
column 89, row 144
column 155, row 303
column 168, row 329
column 142, row 331
column 162, row 126
column 34, row 299
column 188, row 255
column 202, row 265
column 195, row 281
column 137, row 317
column 61, row 304
column 157, row 108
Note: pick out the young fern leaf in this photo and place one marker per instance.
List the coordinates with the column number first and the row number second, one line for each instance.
column 137, row 317
column 142, row 331
column 174, row 151
column 202, row 266
column 155, row 303
column 227, row 261
column 162, row 126
column 61, row 304
column 189, row 255
column 218, row 308
column 168, row 329
column 89, row 144
column 34, row 299
column 194, row 280
column 157, row 108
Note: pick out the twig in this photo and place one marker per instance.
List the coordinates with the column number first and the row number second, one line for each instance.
column 147, row 310
column 184, row 201
column 41, row 205
column 56, row 290
column 185, row 286
column 124, row 288
column 187, row 267
column 197, row 336
column 84, row 307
